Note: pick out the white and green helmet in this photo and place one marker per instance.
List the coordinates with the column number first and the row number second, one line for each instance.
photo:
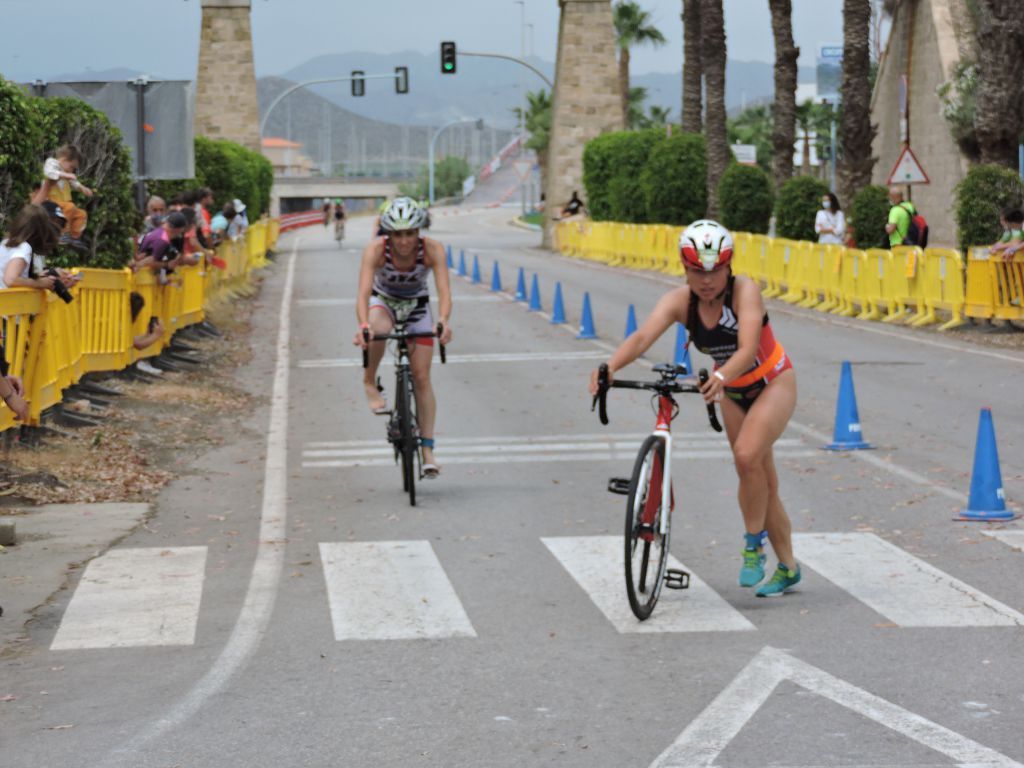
column 705, row 244
column 403, row 213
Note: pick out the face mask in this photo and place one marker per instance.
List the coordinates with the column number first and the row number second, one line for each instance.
column 826, row 204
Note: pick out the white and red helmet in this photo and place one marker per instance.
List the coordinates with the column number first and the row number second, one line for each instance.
column 705, row 244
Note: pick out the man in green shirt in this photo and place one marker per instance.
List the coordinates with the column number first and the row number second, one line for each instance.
column 899, row 217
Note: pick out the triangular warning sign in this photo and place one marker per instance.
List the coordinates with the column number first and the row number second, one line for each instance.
column 699, row 745
column 907, row 169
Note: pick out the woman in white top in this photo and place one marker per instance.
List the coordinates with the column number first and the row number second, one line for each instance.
column 830, row 224
column 30, row 239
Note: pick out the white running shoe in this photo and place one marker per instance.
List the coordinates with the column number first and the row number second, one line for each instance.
column 147, row 367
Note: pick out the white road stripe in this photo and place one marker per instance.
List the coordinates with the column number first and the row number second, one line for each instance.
column 131, row 598
column 458, row 298
column 390, row 590
column 596, row 563
column 456, row 447
column 1013, row 539
column 906, row 590
column 512, row 439
column 501, row 357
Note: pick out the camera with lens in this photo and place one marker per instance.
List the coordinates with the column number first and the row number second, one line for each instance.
column 58, row 286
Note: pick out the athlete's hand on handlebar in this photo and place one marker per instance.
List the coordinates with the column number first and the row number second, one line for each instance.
column 713, row 389
column 446, row 334
column 362, row 337
column 595, row 378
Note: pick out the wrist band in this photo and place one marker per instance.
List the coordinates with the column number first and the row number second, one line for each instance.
column 718, row 375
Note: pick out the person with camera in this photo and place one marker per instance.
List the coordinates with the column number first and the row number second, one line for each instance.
column 157, row 251
column 31, row 238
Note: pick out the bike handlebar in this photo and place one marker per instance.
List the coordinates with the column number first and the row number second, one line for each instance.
column 664, row 387
column 367, row 338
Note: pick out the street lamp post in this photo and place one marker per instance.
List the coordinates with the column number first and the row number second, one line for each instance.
column 522, row 95
column 433, row 141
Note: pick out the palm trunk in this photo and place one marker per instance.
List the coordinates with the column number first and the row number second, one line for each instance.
column 999, row 116
column 784, row 113
column 693, row 72
column 857, row 131
column 713, row 28
column 624, row 83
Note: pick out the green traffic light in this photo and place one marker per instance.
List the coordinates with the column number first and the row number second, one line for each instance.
column 449, row 66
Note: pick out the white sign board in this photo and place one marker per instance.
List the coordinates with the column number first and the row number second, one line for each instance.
column 745, row 154
column 829, row 72
column 907, row 170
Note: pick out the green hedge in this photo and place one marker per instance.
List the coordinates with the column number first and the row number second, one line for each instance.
column 106, row 168
column 674, row 179
column 981, row 198
column 612, row 164
column 796, row 206
column 869, row 213
column 745, row 199
column 19, row 139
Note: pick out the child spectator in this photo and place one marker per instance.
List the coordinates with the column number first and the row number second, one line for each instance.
column 31, row 237
column 156, row 209
column 221, row 223
column 240, row 223
column 156, row 251
column 1012, row 240
column 58, row 180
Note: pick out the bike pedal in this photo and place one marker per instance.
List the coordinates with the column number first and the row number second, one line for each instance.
column 618, row 485
column 677, row 579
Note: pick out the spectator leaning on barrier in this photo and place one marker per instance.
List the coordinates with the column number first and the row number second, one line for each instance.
column 155, row 251
column 240, row 223
column 1012, row 240
column 221, row 223
column 829, row 222
column 59, row 178
column 30, row 239
column 156, row 209
column 899, row 217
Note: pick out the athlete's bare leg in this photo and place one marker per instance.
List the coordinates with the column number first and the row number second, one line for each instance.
column 380, row 323
column 426, row 404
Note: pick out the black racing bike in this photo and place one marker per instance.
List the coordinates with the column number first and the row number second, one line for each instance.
column 649, row 490
column 403, row 428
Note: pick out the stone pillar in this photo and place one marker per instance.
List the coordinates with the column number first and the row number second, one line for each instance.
column 226, row 103
column 586, row 101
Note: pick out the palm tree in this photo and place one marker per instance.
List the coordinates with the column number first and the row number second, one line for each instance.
column 537, row 120
column 786, row 55
column 712, row 24
column 693, row 72
column 999, row 118
column 858, row 133
column 658, row 116
column 632, row 27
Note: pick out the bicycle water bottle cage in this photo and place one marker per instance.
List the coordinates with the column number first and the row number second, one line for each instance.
column 670, row 370
column 677, row 579
column 618, row 485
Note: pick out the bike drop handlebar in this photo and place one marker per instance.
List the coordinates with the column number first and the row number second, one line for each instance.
column 367, row 337
column 664, row 386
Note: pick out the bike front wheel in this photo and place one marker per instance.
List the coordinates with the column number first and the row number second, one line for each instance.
column 408, row 447
column 646, row 547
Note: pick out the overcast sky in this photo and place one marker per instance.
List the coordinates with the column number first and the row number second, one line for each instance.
column 46, row 38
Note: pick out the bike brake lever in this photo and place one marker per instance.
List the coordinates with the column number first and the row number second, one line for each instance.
column 366, row 349
column 712, row 416
column 601, row 398
column 440, row 331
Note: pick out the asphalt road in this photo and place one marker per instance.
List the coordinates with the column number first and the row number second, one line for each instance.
column 286, row 607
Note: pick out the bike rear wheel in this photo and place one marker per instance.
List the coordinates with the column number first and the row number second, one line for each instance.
column 408, row 448
column 646, row 548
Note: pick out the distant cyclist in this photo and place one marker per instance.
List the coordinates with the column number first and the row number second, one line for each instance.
column 393, row 284
column 339, row 220
column 753, row 380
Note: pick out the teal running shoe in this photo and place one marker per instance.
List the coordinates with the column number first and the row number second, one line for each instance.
column 781, row 582
column 752, row 571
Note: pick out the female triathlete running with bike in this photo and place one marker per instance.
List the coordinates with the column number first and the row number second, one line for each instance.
column 753, row 381
column 393, row 283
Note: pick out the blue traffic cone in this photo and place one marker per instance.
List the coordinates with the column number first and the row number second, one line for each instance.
column 986, row 502
column 558, row 308
column 521, row 286
column 587, row 321
column 630, row 321
column 462, row 263
column 682, row 353
column 476, row 269
column 496, row 278
column 846, row 436
column 448, row 250
column 534, row 296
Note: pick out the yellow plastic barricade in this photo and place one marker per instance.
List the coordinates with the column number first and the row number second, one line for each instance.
column 900, row 283
column 192, row 279
column 871, row 283
column 19, row 308
column 104, row 318
column 831, row 256
column 942, row 287
column 850, row 267
column 816, row 264
column 797, row 257
column 144, row 283
column 776, row 258
column 995, row 288
column 674, row 262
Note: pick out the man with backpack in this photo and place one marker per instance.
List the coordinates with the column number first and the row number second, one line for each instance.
column 906, row 226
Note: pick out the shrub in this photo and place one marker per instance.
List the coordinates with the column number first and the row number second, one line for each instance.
column 796, row 206
column 745, row 199
column 674, row 179
column 612, row 164
column 19, row 137
column 980, row 198
column 230, row 170
column 868, row 215
column 106, row 168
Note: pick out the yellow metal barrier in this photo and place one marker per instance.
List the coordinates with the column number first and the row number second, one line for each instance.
column 995, row 287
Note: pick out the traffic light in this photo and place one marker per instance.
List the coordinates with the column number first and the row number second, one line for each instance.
column 401, row 79
column 358, row 83
column 448, row 58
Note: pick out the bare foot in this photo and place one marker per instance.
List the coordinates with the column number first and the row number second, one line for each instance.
column 374, row 398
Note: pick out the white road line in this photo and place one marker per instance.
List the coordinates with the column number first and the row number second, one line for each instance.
column 703, row 740
column 1013, row 539
column 130, row 598
column 390, row 590
column 506, row 357
column 906, row 590
column 251, row 625
column 596, row 563
column 336, row 302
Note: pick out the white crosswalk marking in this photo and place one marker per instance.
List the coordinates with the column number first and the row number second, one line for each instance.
column 904, row 589
column 390, row 590
column 461, row 299
column 1013, row 539
column 518, row 450
column 596, row 563
column 135, row 597
column 497, row 357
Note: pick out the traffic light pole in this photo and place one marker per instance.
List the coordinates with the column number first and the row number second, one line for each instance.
column 347, row 79
column 526, row 64
column 430, row 154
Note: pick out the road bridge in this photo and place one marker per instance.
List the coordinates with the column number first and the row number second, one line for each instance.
column 288, row 190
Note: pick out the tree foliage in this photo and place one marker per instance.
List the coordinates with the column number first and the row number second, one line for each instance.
column 983, row 194
column 796, row 206
column 745, row 199
column 674, row 179
column 869, row 213
column 449, row 174
column 19, row 137
column 612, row 164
